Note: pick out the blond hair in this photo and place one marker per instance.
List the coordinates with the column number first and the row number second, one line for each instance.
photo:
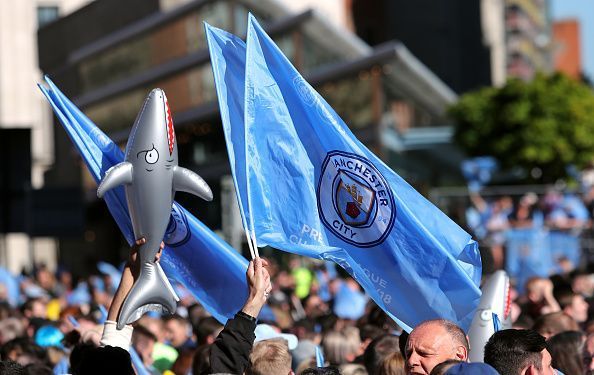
column 270, row 357
column 342, row 346
column 393, row 364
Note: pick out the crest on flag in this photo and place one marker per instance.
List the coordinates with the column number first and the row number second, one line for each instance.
column 178, row 231
column 354, row 200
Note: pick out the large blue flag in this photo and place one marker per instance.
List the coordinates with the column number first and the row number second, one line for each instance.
column 195, row 256
column 313, row 189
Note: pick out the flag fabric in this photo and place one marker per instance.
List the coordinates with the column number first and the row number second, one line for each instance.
column 228, row 62
column 194, row 255
column 320, row 361
column 313, row 189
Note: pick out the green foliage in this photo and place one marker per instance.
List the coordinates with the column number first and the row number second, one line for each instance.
column 546, row 123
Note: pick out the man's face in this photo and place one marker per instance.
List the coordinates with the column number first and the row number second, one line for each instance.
column 175, row 332
column 429, row 345
column 579, row 309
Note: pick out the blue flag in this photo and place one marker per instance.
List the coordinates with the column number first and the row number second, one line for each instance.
column 313, row 189
column 228, row 56
column 195, row 256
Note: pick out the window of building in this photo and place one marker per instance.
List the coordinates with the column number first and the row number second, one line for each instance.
column 355, row 110
column 46, row 14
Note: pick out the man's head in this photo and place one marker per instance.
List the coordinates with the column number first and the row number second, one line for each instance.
column 574, row 305
column 518, row 351
column 342, row 346
column 144, row 341
column 549, row 325
column 377, row 350
column 433, row 342
column 177, row 330
column 270, row 357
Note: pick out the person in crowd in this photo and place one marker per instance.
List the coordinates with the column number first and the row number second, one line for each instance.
column 523, row 213
column 201, row 360
column 574, row 305
column 393, row 364
column 178, row 332
column 588, row 354
column 206, row 330
column 11, row 368
column 518, row 352
column 331, row 370
column 433, row 342
column 551, row 324
column 539, row 298
column 231, row 350
column 493, row 224
column 567, row 350
column 143, row 342
column 380, row 348
column 342, row 346
column 270, row 357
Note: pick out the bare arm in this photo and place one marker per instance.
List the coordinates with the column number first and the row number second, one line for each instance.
column 128, row 277
column 259, row 287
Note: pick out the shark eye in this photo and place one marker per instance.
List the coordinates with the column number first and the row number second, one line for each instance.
column 152, row 156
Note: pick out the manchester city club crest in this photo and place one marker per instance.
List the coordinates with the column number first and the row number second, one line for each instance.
column 354, row 200
column 178, row 231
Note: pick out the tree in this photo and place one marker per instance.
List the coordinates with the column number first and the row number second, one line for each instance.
column 546, row 123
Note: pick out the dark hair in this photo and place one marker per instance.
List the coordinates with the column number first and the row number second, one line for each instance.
column 511, row 350
column 566, row 349
column 143, row 331
column 38, row 369
column 377, row 350
column 402, row 343
column 11, row 368
column 36, row 353
column 565, row 298
column 89, row 360
column 201, row 360
column 321, row 371
column 206, row 327
column 370, row 332
column 554, row 323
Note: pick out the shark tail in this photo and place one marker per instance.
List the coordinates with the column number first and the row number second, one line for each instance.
column 151, row 292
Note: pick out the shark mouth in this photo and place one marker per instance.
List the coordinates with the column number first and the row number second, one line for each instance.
column 507, row 309
column 170, row 131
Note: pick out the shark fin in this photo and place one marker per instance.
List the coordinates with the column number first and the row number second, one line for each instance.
column 189, row 182
column 119, row 174
column 151, row 292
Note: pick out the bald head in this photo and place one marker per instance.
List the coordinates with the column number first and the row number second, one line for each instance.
column 433, row 342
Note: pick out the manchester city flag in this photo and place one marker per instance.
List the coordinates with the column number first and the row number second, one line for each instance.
column 313, row 189
column 195, row 256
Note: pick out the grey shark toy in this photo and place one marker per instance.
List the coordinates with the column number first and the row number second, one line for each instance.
column 151, row 177
column 496, row 300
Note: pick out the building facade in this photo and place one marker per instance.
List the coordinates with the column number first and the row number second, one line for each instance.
column 567, row 50
column 26, row 127
column 529, row 41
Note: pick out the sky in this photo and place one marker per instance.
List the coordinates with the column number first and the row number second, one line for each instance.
column 583, row 10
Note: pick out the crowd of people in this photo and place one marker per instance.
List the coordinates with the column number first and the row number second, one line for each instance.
column 293, row 316
column 548, row 225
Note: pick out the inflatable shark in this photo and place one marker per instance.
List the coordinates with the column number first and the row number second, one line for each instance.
column 151, row 177
column 492, row 314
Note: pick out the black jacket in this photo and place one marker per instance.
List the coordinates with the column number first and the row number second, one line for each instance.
column 231, row 350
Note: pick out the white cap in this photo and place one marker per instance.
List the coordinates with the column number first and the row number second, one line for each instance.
column 267, row 332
